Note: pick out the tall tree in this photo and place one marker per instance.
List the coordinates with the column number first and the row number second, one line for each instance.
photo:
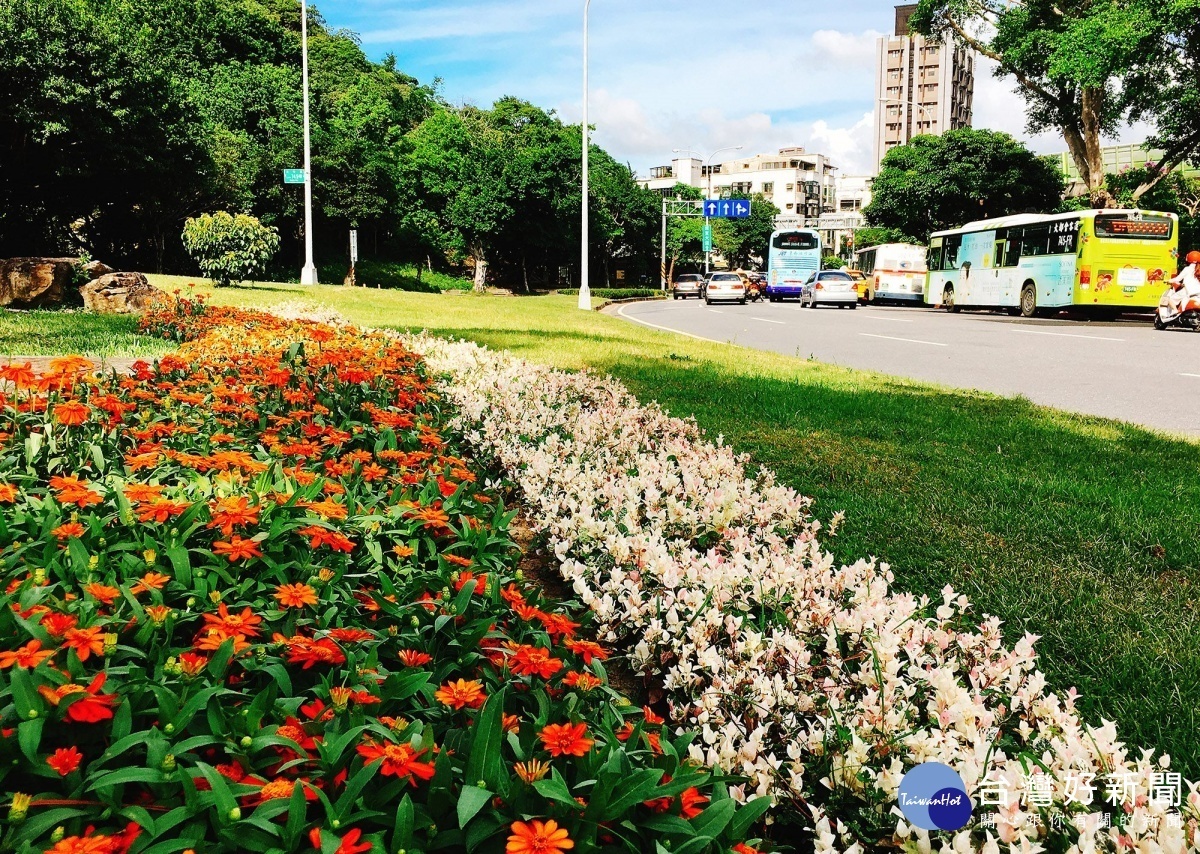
column 744, row 242
column 1072, row 60
column 937, row 182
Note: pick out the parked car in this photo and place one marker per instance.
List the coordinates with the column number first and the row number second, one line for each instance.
column 725, row 286
column 687, row 285
column 829, row 287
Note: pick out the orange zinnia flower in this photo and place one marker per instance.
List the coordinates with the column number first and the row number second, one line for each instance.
column 534, row 660
column 21, row 376
column 233, row 511
column 84, row 845
column 65, row 760
column 103, row 592
column 587, row 650
column 237, row 549
column 26, row 657
column 68, row 530
column 71, row 414
column 150, row 581
column 538, row 838
column 399, row 760
column 295, row 595
column 566, row 739
column 238, row 625
column 461, row 693
column 319, row 536
column 582, row 681
column 161, row 510
column 85, row 641
column 692, row 802
column 412, row 658
column 8, row 493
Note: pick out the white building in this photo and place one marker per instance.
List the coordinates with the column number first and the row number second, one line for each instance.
column 921, row 87
column 801, row 184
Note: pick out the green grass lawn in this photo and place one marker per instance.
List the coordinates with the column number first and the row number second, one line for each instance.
column 55, row 333
column 1078, row 529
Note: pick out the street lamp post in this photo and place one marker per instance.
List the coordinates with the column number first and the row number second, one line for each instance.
column 308, row 276
column 585, row 294
column 921, row 110
column 708, row 195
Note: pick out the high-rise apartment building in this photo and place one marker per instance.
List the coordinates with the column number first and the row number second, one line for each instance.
column 921, row 87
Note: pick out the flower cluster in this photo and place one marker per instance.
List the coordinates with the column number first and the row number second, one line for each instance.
column 820, row 683
column 254, row 597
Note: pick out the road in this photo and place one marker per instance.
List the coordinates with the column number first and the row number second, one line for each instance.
column 1122, row 369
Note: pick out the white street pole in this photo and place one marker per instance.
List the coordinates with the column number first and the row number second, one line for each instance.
column 308, row 276
column 585, row 294
column 707, row 222
column 662, row 265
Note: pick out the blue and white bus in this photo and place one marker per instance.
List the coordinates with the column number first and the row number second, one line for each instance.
column 795, row 254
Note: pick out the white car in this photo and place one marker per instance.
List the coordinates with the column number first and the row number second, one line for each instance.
column 830, row 287
column 725, row 286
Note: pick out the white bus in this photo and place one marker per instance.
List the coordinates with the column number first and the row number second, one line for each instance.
column 794, row 255
column 894, row 271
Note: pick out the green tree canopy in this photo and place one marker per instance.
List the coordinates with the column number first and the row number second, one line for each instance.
column 937, row 182
column 1085, row 67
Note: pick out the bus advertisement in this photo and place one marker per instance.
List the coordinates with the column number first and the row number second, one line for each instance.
column 894, row 272
column 1107, row 260
column 794, row 255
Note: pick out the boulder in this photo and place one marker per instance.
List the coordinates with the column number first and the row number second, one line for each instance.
column 36, row 282
column 121, row 293
column 96, row 269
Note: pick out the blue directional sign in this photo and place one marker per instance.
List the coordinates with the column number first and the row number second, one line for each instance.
column 727, row 208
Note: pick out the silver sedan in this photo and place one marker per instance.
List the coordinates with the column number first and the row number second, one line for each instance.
column 830, row 287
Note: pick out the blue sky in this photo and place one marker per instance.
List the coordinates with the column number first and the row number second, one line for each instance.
column 666, row 74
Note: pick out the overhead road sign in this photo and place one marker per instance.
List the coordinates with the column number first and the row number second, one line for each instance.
column 727, row 208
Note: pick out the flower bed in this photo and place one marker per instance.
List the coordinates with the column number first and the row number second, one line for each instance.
column 255, row 598
column 821, row 683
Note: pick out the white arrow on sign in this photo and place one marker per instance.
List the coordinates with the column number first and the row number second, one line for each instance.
column 711, row 209
column 741, row 208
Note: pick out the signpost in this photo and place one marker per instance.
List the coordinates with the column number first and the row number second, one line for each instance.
column 293, row 176
column 727, row 208
column 706, row 236
column 353, row 247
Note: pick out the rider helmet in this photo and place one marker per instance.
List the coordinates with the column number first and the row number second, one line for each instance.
column 1193, row 257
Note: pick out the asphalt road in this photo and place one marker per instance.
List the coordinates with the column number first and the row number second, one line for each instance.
column 1122, row 369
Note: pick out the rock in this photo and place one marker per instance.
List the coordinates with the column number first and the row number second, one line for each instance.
column 36, row 282
column 121, row 293
column 96, row 269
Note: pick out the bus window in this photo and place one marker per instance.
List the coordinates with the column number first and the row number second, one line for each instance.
column 1035, row 241
column 950, row 256
column 1008, row 252
column 1064, row 236
column 933, row 260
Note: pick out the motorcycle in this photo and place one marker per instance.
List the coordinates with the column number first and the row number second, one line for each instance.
column 754, row 291
column 1166, row 316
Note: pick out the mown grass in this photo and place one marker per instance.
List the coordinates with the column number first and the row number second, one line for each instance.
column 1078, row 529
column 55, row 333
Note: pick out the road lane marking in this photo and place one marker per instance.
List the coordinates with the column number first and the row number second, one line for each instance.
column 909, row 340
column 766, row 320
column 1065, row 335
column 1197, row 376
column 888, row 319
column 621, row 312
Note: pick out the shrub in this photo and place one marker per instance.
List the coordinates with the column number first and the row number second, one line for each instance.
column 254, row 598
column 619, row 293
column 230, row 248
column 832, row 262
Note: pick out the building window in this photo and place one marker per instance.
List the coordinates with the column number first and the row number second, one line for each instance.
column 790, row 206
column 791, row 187
column 768, row 187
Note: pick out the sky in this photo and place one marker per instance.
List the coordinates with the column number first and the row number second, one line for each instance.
column 667, row 74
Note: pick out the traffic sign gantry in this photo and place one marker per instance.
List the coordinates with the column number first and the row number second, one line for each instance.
column 727, row 208
column 293, row 176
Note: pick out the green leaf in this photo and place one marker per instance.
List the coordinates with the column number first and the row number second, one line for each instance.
column 470, row 801
column 29, row 735
column 182, row 563
column 485, row 762
column 297, row 816
column 555, row 789
column 715, row 818
column 405, row 822
column 746, row 816
column 23, row 693
column 127, row 775
column 637, row 788
column 693, row 846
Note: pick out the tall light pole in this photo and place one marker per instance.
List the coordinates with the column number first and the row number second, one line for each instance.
column 708, row 195
column 585, row 294
column 921, row 111
column 308, row 276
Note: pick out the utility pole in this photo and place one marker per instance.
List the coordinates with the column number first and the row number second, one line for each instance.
column 662, row 265
column 308, row 276
column 585, row 294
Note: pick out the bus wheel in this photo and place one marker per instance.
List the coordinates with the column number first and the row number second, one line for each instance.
column 1028, row 301
column 948, row 299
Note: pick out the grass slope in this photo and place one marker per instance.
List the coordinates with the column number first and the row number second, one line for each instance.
column 53, row 333
column 1078, row 529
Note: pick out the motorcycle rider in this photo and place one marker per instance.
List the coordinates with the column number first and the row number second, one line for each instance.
column 1188, row 282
